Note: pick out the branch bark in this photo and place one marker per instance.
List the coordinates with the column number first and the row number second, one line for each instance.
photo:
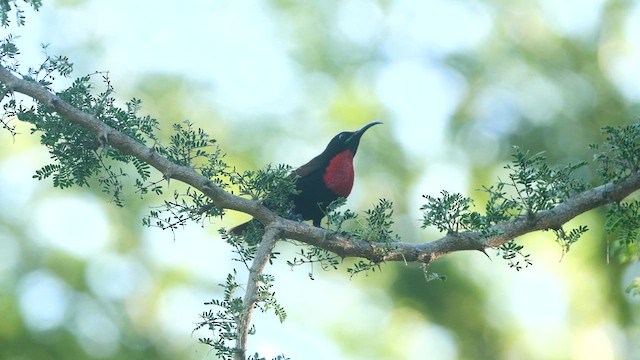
column 426, row 252
column 263, row 254
column 326, row 239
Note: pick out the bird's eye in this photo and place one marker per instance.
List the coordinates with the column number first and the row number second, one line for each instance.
column 342, row 136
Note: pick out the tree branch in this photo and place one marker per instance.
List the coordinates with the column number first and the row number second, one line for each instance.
column 506, row 231
column 263, row 254
column 128, row 145
column 326, row 239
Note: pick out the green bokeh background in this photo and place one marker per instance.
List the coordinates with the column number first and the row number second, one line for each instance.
column 457, row 83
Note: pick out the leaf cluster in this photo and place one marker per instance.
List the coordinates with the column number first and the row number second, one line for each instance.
column 223, row 323
column 374, row 226
column 77, row 155
column 539, row 186
column 187, row 206
column 623, row 221
column 336, row 219
column 566, row 239
column 6, row 6
column 378, row 222
column 619, row 157
column 266, row 299
column 192, row 147
column 512, row 253
column 46, row 72
column 188, row 144
column 377, row 229
column 274, row 185
column 314, row 255
column 450, row 213
column 533, row 186
column 8, row 53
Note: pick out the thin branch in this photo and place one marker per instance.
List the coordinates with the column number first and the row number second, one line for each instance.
column 263, row 254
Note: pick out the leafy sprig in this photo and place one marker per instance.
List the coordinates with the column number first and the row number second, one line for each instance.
column 512, row 253
column 619, row 155
column 450, row 213
column 223, row 322
column 537, row 185
column 273, row 185
column 310, row 255
column 377, row 224
column 533, row 186
column 6, row 6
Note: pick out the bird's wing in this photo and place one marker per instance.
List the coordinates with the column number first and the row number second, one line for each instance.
column 306, row 169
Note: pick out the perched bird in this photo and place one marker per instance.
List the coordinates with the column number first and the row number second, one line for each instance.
column 324, row 179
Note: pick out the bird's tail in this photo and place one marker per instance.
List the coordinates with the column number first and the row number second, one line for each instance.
column 250, row 229
column 239, row 230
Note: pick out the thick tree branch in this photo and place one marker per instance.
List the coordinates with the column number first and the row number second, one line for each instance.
column 427, row 252
column 326, row 239
column 128, row 145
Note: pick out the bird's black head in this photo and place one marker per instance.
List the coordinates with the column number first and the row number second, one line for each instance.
column 348, row 140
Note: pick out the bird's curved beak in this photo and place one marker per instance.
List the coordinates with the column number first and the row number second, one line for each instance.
column 357, row 134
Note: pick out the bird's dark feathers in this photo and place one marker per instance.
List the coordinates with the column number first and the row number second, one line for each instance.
column 314, row 193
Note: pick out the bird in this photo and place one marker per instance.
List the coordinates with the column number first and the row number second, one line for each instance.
column 323, row 179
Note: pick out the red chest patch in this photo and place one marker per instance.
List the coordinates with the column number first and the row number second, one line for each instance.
column 338, row 176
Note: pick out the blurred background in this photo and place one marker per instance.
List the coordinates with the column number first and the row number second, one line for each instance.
column 457, row 83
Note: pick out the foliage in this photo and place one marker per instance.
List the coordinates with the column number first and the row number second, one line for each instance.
column 377, row 224
column 224, row 322
column 534, row 186
column 7, row 5
column 619, row 156
column 377, row 229
column 266, row 297
column 190, row 205
column 244, row 251
column 311, row 255
column 46, row 72
column 623, row 221
column 537, row 185
column 450, row 213
column 314, row 255
column 512, row 253
column 273, row 185
column 337, row 219
column 374, row 226
column 566, row 239
column 188, row 144
column 190, row 147
column 78, row 156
